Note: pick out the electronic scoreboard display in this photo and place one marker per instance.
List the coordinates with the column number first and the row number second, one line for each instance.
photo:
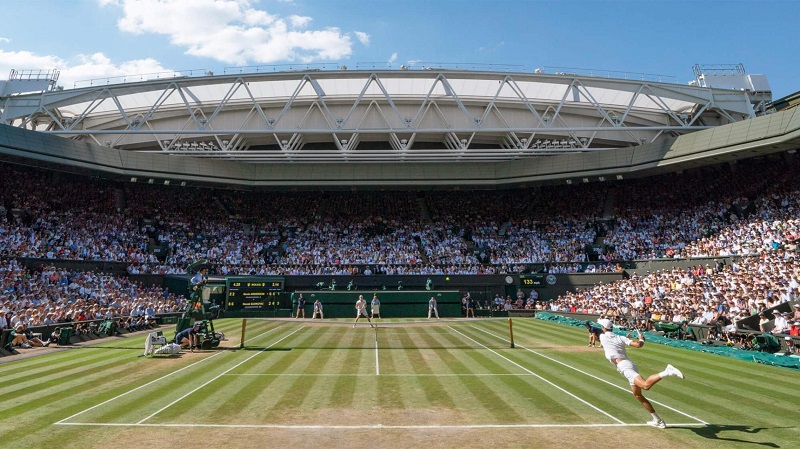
column 532, row 280
column 254, row 293
column 537, row 280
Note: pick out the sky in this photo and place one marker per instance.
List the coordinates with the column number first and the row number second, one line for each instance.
column 93, row 39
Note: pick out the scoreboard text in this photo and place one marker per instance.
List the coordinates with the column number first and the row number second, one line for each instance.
column 254, row 293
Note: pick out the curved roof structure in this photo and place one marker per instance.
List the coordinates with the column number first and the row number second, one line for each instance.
column 397, row 116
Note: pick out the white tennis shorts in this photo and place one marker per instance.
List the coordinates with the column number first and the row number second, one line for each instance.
column 361, row 312
column 629, row 370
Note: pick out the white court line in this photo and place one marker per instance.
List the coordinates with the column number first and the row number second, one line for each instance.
column 155, row 380
column 539, row 377
column 593, row 376
column 217, row 377
column 378, row 426
column 377, row 368
column 372, row 375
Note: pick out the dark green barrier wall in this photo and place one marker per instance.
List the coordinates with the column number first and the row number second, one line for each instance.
column 394, row 304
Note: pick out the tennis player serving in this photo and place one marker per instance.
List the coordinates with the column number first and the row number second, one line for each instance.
column 614, row 346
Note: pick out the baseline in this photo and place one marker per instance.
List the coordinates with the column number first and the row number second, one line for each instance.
column 375, row 426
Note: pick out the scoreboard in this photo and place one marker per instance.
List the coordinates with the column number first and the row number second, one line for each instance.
column 537, row 280
column 254, row 293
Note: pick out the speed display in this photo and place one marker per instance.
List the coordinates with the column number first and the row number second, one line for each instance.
column 248, row 293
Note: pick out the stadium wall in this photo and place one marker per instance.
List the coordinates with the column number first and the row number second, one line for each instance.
column 394, row 304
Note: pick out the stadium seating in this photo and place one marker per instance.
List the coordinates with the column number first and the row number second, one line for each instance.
column 752, row 212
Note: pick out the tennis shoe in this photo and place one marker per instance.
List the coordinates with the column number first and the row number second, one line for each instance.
column 657, row 423
column 672, row 371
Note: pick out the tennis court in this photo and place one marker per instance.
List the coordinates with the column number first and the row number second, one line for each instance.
column 447, row 383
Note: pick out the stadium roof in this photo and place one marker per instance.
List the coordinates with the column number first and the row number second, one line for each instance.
column 399, row 116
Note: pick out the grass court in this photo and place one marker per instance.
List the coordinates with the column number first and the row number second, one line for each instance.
column 446, row 383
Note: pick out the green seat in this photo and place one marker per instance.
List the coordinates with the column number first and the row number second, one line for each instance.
column 767, row 343
column 108, row 327
column 670, row 330
column 65, row 336
column 701, row 332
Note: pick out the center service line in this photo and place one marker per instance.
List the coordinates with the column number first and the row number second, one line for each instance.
column 593, row 376
column 377, row 368
column 538, row 376
column 217, row 377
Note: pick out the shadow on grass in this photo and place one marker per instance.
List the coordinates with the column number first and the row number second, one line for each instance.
column 713, row 431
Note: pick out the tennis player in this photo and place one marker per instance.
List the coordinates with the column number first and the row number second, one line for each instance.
column 432, row 308
column 614, row 346
column 361, row 310
column 376, row 306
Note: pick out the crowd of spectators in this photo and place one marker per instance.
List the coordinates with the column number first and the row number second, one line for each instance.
column 49, row 296
column 719, row 295
column 158, row 229
column 749, row 209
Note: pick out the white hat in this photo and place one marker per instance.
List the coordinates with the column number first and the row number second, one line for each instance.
column 606, row 323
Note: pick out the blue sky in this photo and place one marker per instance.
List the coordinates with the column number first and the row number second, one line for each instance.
column 88, row 39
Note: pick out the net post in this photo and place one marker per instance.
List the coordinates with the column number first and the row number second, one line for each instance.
column 244, row 325
column 511, row 331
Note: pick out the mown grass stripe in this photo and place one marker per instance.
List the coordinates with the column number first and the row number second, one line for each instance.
column 17, row 386
column 431, row 389
column 294, row 390
column 342, row 390
column 476, row 391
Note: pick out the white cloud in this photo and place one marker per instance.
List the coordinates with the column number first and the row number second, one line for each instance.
column 300, row 21
column 362, row 37
column 392, row 58
column 233, row 32
column 5, row 39
column 82, row 67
